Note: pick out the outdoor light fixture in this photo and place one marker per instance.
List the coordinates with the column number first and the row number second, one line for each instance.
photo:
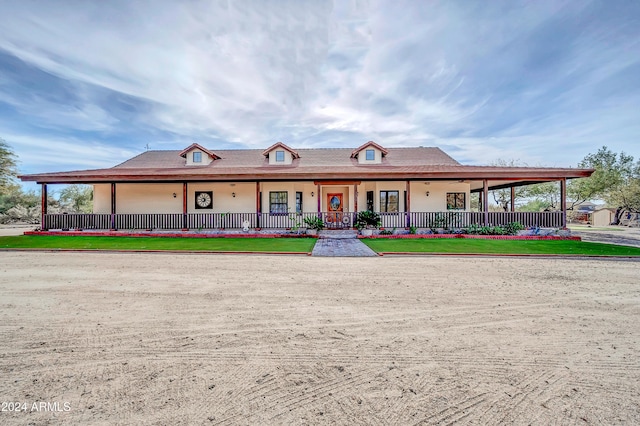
column 233, row 194
column 174, row 195
column 427, row 193
column 312, row 193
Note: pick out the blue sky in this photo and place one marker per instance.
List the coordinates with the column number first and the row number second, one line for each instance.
column 90, row 84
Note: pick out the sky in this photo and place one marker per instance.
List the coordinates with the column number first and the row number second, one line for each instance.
column 90, row 84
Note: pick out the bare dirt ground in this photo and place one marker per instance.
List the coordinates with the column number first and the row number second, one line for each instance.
column 219, row 339
column 620, row 235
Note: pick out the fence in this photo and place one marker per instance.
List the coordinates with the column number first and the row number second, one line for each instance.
column 332, row 220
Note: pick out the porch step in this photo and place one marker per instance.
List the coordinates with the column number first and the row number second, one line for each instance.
column 338, row 234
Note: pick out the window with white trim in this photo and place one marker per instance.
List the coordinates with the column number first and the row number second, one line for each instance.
column 370, row 155
column 278, row 202
column 280, row 156
column 197, row 157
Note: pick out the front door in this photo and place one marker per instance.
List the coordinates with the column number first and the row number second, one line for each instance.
column 335, row 208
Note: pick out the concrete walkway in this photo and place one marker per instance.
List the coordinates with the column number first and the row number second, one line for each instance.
column 336, row 247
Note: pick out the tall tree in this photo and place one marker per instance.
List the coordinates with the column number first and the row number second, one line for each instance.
column 77, row 198
column 502, row 197
column 612, row 172
column 8, row 167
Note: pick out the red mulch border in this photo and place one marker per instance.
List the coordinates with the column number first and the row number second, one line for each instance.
column 161, row 235
column 206, row 235
column 479, row 237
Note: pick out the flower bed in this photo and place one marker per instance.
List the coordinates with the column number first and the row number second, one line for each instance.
column 480, row 237
column 186, row 234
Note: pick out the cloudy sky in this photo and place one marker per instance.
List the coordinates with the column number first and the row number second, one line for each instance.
column 90, row 84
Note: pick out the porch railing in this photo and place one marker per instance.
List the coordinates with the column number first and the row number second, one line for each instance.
column 332, row 220
column 77, row 221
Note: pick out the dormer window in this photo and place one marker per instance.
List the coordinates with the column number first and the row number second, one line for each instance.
column 369, row 153
column 197, row 155
column 280, row 154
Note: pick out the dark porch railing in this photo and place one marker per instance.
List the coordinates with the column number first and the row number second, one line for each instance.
column 332, row 220
column 77, row 221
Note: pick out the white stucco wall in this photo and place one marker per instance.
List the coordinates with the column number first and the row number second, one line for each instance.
column 309, row 202
column 223, row 199
column 158, row 198
column 437, row 199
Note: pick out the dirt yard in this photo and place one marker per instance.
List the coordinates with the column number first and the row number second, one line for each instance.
column 217, row 339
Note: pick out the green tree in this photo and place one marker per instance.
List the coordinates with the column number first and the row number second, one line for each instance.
column 77, row 198
column 8, row 167
column 502, row 197
column 612, row 173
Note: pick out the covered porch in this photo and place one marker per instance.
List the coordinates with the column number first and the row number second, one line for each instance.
column 258, row 205
column 208, row 221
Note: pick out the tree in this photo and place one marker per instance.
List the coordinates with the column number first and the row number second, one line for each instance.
column 77, row 198
column 626, row 196
column 8, row 168
column 502, row 197
column 612, row 172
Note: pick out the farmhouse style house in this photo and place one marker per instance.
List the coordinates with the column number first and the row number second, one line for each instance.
column 200, row 188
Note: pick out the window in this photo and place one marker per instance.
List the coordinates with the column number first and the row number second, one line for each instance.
column 197, row 157
column 298, row 202
column 389, row 201
column 370, row 155
column 278, row 202
column 280, row 156
column 370, row 201
column 456, row 200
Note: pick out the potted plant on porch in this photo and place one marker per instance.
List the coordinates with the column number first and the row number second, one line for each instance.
column 367, row 221
column 314, row 224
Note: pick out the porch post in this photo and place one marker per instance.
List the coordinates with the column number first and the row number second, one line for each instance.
column 355, row 196
column 43, row 210
column 563, row 201
column 407, row 208
column 485, row 201
column 513, row 199
column 113, row 206
column 185, row 223
column 319, row 195
column 258, row 207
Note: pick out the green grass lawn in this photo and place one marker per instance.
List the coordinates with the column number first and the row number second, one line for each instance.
column 297, row 245
column 499, row 246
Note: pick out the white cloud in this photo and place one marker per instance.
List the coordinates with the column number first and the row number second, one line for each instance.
column 482, row 79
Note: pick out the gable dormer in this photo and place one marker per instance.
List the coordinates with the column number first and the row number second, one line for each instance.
column 280, row 154
column 369, row 153
column 198, row 156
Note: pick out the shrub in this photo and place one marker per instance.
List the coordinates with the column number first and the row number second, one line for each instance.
column 314, row 222
column 368, row 219
column 513, row 228
column 387, row 231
